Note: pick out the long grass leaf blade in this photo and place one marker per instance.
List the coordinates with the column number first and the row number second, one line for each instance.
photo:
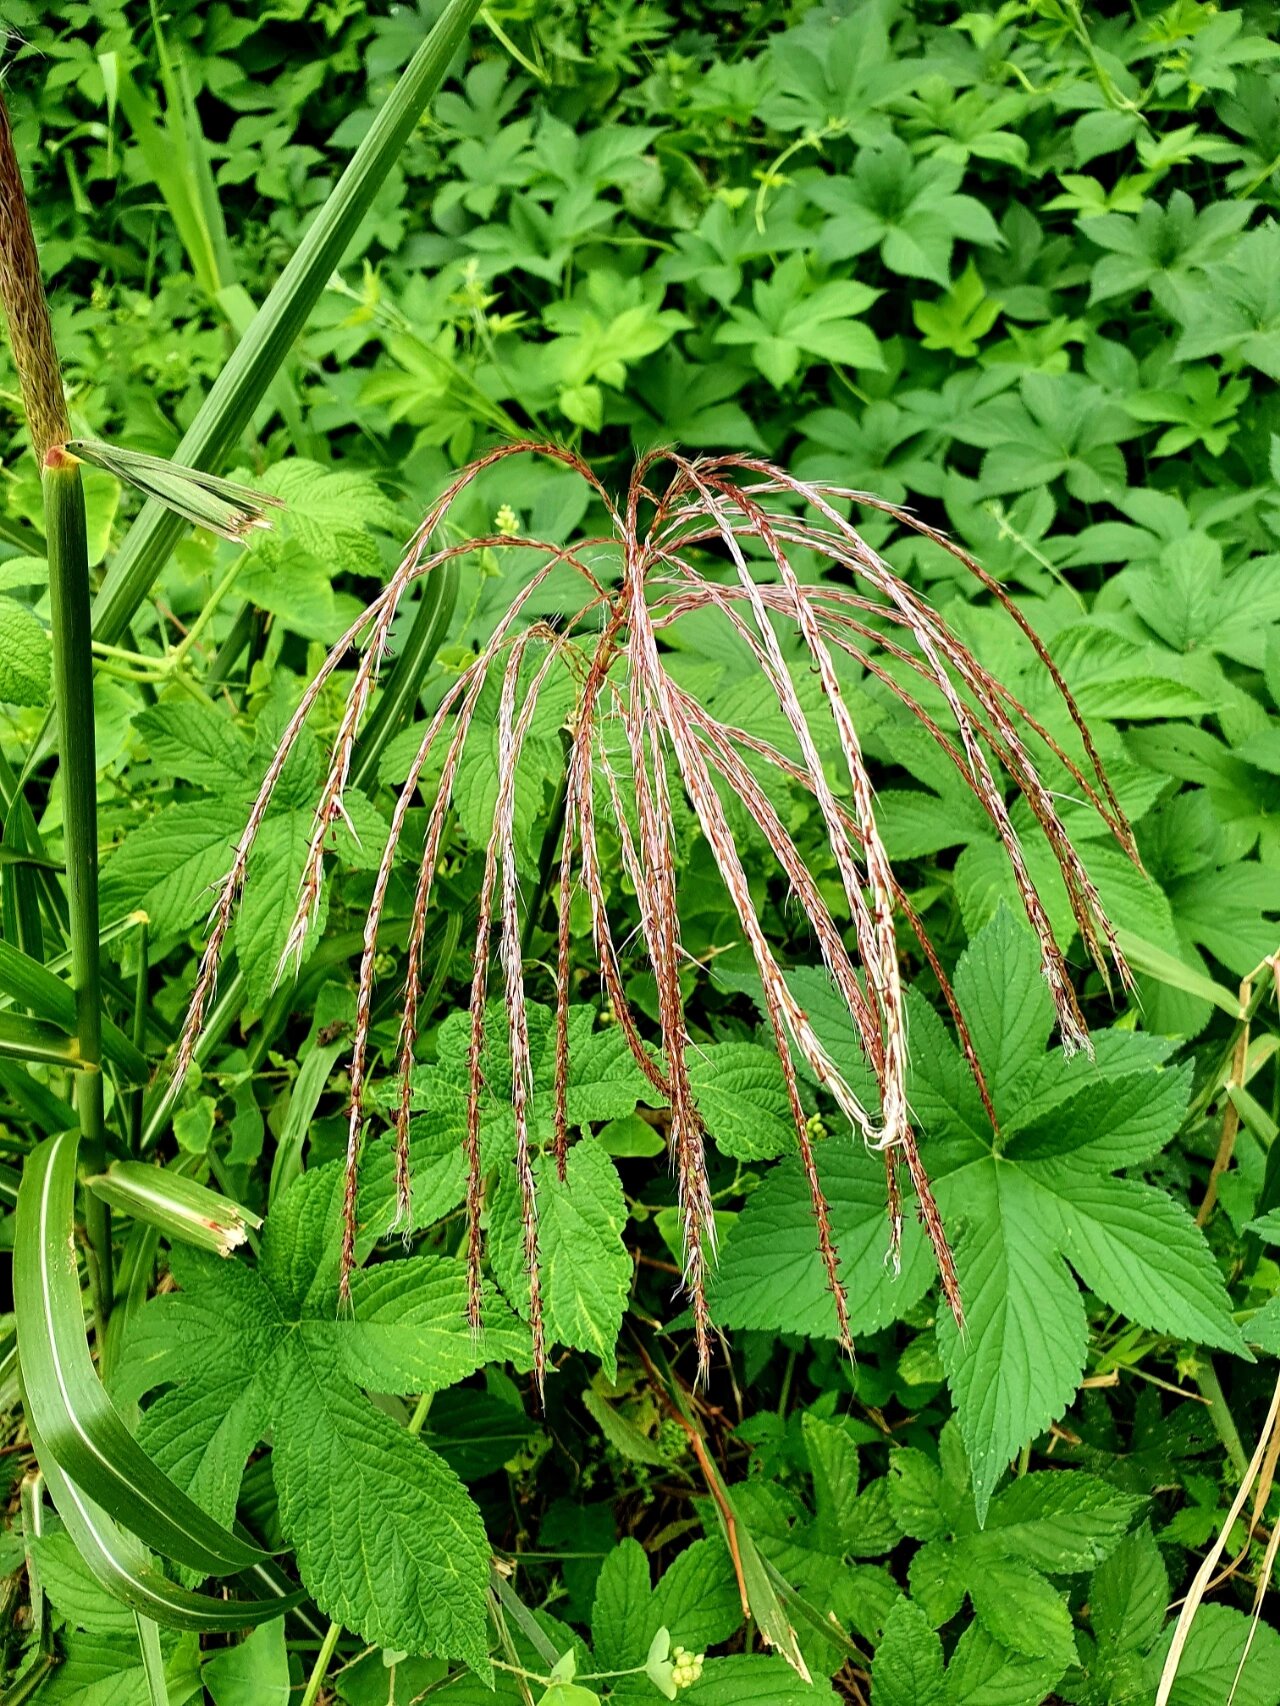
column 85, row 1436
column 172, row 176
column 1168, row 969
column 257, row 358
column 126, row 1570
column 38, row 1040
column 33, row 985
column 152, row 1659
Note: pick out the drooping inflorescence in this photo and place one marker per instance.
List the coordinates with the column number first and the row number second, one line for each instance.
column 720, row 537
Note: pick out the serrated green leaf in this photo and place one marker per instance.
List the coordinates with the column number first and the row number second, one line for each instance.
column 1060, row 1523
column 770, row 1277
column 395, row 1548
column 908, row 1664
column 1019, row 1361
column 168, row 867
column 1212, row 1657
column 1142, row 1254
column 25, row 655
column 409, row 1332
column 1128, row 1594
column 1018, row 1608
column 196, row 743
column 743, row 1100
column 586, row 1271
column 270, row 900
column 983, row 1673
column 620, row 1613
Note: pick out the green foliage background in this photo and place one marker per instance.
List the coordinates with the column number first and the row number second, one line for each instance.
column 1018, row 267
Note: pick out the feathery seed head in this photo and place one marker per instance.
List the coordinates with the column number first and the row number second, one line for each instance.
column 717, row 539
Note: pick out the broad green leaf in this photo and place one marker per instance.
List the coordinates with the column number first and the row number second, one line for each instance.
column 1018, row 1608
column 270, row 900
column 246, row 1351
column 983, row 1672
column 1046, row 1193
column 76, row 1594
column 743, row 1681
column 620, row 1613
column 25, row 656
column 1007, row 1007
column 196, row 743
column 1211, row 1661
column 330, row 511
column 1019, row 1361
column 792, row 323
column 743, row 1100
column 168, row 867
column 908, row 1664
column 409, row 1331
column 394, row 1549
column 770, row 1277
column 255, row 1672
column 107, row 1670
column 586, row 1271
column 1060, row 1523
column 1142, row 1254
column 1128, row 1594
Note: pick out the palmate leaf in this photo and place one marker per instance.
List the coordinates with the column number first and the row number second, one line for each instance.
column 388, row 1541
column 84, row 1435
column 1023, row 1206
column 1045, row 1194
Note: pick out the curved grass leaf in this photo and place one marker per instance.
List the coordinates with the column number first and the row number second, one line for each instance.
column 205, row 500
column 126, row 1570
column 37, row 1039
column 85, row 1436
column 244, row 381
column 36, row 987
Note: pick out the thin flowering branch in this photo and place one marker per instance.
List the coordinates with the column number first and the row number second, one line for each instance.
column 650, row 741
column 417, row 933
column 875, row 927
column 1007, row 745
column 512, row 733
column 364, row 995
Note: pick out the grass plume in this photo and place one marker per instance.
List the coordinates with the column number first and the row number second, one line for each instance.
column 636, row 736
